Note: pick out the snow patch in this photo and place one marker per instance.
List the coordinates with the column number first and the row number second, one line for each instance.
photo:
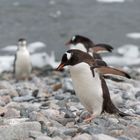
column 133, row 35
column 32, row 47
column 130, row 56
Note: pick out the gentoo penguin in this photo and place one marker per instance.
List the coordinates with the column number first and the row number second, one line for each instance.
column 22, row 62
column 86, row 45
column 89, row 84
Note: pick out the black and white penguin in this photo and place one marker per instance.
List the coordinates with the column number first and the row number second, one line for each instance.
column 86, row 45
column 89, row 84
column 22, row 62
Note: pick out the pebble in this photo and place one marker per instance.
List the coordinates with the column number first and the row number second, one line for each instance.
column 12, row 113
column 3, row 110
column 46, row 108
column 35, row 134
column 23, row 98
column 103, row 137
column 15, row 131
column 43, row 138
column 83, row 137
column 67, row 85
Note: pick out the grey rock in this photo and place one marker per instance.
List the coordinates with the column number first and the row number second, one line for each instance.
column 103, row 137
column 56, row 138
column 67, row 84
column 3, row 110
column 2, row 103
column 123, row 138
column 35, row 134
column 23, row 98
column 12, row 113
column 18, row 131
column 132, row 131
column 70, row 131
column 43, row 138
column 11, row 92
column 59, row 97
column 137, row 94
column 83, row 137
column 6, row 99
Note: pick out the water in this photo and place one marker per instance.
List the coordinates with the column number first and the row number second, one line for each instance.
column 55, row 21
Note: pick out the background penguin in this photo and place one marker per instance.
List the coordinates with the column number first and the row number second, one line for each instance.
column 89, row 84
column 86, row 45
column 22, row 62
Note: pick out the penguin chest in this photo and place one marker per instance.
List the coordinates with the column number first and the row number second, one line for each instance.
column 87, row 87
column 22, row 64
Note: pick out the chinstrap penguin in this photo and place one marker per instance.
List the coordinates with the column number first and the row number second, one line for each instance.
column 22, row 62
column 89, row 84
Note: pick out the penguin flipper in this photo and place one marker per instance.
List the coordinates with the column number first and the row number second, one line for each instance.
column 108, row 70
column 101, row 48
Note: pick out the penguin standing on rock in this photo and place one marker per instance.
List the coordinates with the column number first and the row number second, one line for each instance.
column 22, row 62
column 89, row 83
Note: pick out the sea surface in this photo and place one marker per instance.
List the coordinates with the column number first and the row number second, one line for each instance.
column 53, row 22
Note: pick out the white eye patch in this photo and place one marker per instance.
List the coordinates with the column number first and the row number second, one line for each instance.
column 73, row 38
column 68, row 55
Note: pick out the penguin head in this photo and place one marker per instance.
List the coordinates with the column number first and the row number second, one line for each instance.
column 80, row 42
column 73, row 57
column 22, row 42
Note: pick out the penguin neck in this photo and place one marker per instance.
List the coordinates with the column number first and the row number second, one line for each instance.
column 22, row 48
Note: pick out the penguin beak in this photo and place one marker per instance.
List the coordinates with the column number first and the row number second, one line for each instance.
column 60, row 67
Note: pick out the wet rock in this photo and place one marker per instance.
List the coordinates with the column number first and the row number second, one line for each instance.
column 83, row 137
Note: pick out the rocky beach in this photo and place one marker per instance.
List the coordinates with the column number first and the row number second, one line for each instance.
column 46, row 108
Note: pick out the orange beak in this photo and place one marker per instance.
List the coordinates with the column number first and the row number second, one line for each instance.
column 60, row 67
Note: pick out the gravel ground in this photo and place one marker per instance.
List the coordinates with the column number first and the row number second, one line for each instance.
column 46, row 108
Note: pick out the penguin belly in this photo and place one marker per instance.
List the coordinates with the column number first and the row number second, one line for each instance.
column 22, row 65
column 87, row 88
